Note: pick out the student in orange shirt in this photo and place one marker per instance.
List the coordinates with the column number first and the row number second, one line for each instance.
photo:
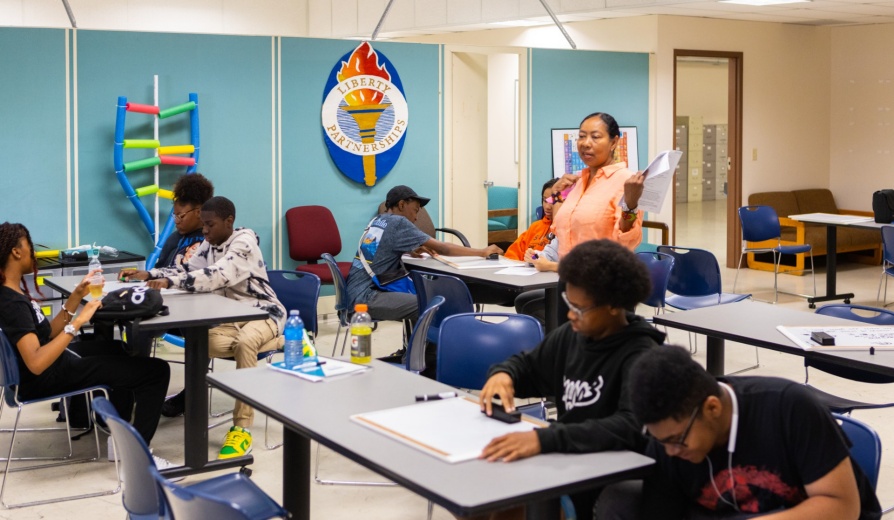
column 537, row 236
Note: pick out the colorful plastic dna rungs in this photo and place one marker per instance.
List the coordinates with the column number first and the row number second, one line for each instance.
column 165, row 155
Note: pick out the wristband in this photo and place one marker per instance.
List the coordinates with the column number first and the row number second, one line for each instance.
column 629, row 216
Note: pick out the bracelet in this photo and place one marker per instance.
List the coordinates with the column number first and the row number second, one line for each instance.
column 71, row 315
column 629, row 216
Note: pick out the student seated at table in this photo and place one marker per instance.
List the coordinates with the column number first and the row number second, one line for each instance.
column 388, row 237
column 229, row 263
column 45, row 346
column 734, row 448
column 190, row 192
column 584, row 363
column 537, row 235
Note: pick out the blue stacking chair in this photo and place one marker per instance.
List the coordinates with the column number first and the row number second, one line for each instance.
column 9, row 381
column 660, row 266
column 300, row 291
column 866, row 447
column 759, row 224
column 869, row 315
column 231, row 496
column 887, row 261
column 455, row 292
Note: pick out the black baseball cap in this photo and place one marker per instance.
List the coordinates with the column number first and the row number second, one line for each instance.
column 399, row 193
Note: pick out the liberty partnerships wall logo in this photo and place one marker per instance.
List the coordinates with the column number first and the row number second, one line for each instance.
column 364, row 115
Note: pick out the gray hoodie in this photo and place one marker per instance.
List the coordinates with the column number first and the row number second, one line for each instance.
column 234, row 269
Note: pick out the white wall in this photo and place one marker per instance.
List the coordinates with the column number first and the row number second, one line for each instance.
column 702, row 90
column 502, row 73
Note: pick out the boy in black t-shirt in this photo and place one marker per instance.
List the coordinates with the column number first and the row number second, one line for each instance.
column 736, row 448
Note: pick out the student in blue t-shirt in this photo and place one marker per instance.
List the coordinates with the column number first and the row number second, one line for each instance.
column 385, row 240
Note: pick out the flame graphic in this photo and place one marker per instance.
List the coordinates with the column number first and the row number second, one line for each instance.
column 363, row 61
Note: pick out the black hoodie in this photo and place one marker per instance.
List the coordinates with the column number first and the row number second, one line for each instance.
column 589, row 380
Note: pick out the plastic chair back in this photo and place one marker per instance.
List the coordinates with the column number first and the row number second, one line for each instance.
column 312, row 231
column 341, row 291
column 416, row 349
column 468, row 345
column 140, row 493
column 503, row 197
column 842, row 310
column 457, row 298
column 298, row 291
column 9, row 370
column 888, row 244
column 695, row 272
column 660, row 266
column 759, row 223
column 866, row 447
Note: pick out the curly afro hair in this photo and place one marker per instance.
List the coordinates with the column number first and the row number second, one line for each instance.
column 608, row 272
column 193, row 188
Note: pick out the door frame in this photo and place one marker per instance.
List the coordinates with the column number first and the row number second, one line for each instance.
column 734, row 122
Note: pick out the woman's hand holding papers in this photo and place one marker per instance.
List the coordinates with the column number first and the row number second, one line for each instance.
column 513, row 446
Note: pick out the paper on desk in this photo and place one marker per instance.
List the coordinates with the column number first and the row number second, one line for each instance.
column 518, row 271
column 659, row 175
column 846, row 337
column 476, row 262
column 329, row 368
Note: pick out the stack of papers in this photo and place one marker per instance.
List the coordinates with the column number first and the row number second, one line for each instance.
column 476, row 262
column 328, row 368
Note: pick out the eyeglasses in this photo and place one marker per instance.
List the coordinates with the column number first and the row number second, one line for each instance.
column 680, row 442
column 180, row 216
column 575, row 309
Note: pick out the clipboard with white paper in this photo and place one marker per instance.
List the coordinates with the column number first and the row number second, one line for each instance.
column 658, row 177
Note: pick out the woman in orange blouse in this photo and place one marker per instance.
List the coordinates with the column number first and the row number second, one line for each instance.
column 593, row 209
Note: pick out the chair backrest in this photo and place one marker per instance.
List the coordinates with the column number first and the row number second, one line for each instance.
column 759, row 223
column 312, row 231
column 469, row 345
column 457, row 298
column 341, row 291
column 298, row 291
column 503, row 197
column 9, row 370
column 876, row 315
column 416, row 349
column 660, row 266
column 695, row 272
column 140, row 495
column 192, row 502
column 866, row 447
column 888, row 243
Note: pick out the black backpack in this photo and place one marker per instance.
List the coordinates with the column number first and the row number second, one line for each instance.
column 129, row 304
column 883, row 206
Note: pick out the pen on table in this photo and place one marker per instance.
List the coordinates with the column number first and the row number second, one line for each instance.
column 435, row 397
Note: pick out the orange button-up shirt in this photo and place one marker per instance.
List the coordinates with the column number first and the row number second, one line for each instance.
column 594, row 212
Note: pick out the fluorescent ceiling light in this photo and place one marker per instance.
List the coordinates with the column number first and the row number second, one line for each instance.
column 763, row 2
column 520, row 23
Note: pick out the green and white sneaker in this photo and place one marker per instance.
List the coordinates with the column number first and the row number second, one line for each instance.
column 236, row 444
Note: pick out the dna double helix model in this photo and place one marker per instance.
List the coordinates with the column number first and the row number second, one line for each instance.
column 174, row 155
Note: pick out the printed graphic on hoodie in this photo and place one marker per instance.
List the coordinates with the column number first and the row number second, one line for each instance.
column 581, row 393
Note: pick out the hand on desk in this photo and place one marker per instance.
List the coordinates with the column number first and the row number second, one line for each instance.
column 159, row 283
column 499, row 384
column 541, row 263
column 512, row 446
column 132, row 275
column 492, row 250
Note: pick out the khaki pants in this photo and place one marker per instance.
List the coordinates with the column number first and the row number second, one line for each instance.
column 242, row 341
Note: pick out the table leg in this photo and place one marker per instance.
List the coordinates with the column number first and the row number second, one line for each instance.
column 715, row 361
column 831, row 271
column 296, row 474
column 544, row 510
column 556, row 312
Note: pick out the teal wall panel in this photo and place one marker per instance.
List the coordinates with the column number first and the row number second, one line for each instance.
column 308, row 174
column 232, row 76
column 567, row 85
column 32, row 132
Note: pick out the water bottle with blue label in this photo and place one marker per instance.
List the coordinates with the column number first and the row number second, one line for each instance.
column 294, row 335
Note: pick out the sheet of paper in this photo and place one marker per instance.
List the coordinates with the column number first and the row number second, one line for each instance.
column 846, row 338
column 329, row 368
column 476, row 262
column 518, row 271
column 831, row 218
column 453, row 430
column 659, row 176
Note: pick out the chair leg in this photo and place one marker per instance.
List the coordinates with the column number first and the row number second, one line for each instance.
column 738, row 267
column 813, row 272
column 431, row 509
column 325, row 482
column 777, row 259
column 337, row 334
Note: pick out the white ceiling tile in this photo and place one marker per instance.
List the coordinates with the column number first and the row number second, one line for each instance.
column 462, row 12
column 401, row 16
column 344, row 17
column 369, row 12
column 430, row 13
column 498, row 10
column 319, row 19
column 528, row 8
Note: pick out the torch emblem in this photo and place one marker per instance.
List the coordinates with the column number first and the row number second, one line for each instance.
column 364, row 115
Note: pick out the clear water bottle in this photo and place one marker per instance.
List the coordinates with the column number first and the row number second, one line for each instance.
column 96, row 280
column 361, row 335
column 294, row 333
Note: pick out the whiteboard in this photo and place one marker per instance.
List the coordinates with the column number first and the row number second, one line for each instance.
column 453, row 430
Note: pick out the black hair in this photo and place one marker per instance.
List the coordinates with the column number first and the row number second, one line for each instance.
column 10, row 235
column 669, row 385
column 613, row 129
column 608, row 272
column 193, row 188
column 549, row 184
column 221, row 207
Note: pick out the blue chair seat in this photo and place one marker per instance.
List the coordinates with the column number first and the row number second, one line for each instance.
column 495, row 225
column 793, row 250
column 237, row 489
column 687, row 303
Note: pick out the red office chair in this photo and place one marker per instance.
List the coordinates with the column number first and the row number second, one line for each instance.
column 312, row 232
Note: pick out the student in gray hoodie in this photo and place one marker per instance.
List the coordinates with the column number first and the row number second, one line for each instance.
column 229, row 263
column 585, row 363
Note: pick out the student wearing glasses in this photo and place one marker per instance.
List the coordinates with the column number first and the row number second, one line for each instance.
column 584, row 363
column 190, row 192
column 736, row 448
